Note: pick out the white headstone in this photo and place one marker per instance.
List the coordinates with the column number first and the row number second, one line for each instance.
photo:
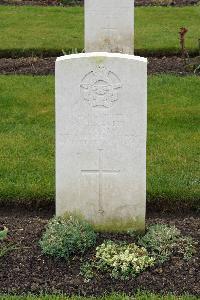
column 109, row 25
column 101, row 113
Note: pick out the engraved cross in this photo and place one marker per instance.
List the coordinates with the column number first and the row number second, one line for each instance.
column 100, row 171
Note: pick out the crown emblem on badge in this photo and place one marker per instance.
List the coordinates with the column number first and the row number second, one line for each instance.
column 100, row 87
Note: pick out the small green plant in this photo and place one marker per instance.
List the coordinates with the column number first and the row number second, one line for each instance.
column 162, row 241
column 122, row 260
column 5, row 249
column 186, row 247
column 197, row 69
column 3, row 233
column 87, row 271
column 67, row 235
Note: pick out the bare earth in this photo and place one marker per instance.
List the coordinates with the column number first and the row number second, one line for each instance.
column 80, row 2
column 45, row 66
column 26, row 270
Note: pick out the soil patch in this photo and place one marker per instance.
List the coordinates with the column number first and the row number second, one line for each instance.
column 173, row 65
column 45, row 66
column 81, row 2
column 27, row 65
column 26, row 270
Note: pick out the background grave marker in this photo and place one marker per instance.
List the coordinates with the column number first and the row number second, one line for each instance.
column 109, row 25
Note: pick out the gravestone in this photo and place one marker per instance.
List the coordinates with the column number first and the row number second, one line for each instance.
column 101, row 139
column 101, row 123
column 109, row 25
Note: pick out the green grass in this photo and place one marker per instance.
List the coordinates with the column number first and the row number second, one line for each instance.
column 49, row 30
column 138, row 296
column 27, row 140
column 173, row 152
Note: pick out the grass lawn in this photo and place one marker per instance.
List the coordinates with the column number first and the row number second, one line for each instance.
column 139, row 296
column 27, row 139
column 173, row 155
column 33, row 30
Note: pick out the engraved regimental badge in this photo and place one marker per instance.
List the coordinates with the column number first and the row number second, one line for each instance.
column 100, row 87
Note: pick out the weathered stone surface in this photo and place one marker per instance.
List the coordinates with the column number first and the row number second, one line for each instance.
column 109, row 25
column 101, row 122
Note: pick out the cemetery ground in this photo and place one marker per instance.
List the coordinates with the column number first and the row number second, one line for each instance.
column 45, row 34
column 31, row 35
column 27, row 179
column 81, row 2
column 27, row 106
column 44, row 66
column 139, row 296
column 26, row 270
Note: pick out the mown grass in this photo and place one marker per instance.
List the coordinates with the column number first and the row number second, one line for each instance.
column 27, row 140
column 49, row 30
column 138, row 296
column 173, row 152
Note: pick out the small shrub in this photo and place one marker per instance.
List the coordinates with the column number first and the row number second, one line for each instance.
column 197, row 69
column 186, row 247
column 5, row 245
column 122, row 260
column 5, row 249
column 162, row 241
column 86, row 271
column 67, row 235
column 3, row 233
